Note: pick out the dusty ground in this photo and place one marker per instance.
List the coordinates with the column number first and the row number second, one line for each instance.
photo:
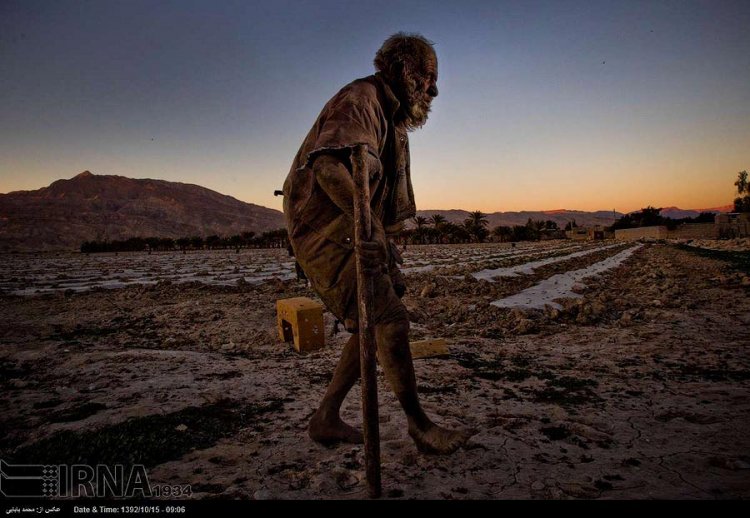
column 639, row 389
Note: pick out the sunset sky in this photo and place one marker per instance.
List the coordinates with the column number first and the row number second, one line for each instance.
column 542, row 105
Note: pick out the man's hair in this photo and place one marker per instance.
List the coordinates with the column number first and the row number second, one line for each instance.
column 403, row 49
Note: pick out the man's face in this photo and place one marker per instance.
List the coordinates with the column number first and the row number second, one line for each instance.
column 419, row 88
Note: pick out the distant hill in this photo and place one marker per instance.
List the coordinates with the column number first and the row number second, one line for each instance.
column 96, row 207
column 676, row 213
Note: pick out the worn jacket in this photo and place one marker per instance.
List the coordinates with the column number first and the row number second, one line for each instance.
column 360, row 113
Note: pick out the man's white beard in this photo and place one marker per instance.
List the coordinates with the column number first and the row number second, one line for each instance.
column 417, row 108
column 418, row 113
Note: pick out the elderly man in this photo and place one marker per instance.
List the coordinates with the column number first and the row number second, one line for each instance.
column 377, row 111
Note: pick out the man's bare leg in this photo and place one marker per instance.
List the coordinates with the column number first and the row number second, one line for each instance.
column 326, row 425
column 395, row 357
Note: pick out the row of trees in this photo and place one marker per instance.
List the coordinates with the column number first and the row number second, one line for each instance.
column 437, row 229
column 651, row 216
column 474, row 229
column 271, row 239
column 533, row 230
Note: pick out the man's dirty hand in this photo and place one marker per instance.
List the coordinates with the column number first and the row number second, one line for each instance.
column 373, row 255
column 374, row 252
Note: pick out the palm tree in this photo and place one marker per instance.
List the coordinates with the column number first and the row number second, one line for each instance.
column 183, row 243
column 476, row 219
column 419, row 234
column 742, row 202
column 503, row 233
column 196, row 242
column 453, row 233
column 476, row 225
column 167, row 243
column 212, row 241
column 247, row 237
column 437, row 220
column 742, row 183
column 236, row 242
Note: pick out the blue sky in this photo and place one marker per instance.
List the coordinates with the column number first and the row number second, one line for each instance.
column 542, row 105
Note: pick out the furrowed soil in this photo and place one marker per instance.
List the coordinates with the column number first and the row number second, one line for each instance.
column 639, row 387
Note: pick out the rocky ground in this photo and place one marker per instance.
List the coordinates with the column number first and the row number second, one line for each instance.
column 638, row 388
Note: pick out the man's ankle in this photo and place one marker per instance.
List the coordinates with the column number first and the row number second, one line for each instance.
column 326, row 414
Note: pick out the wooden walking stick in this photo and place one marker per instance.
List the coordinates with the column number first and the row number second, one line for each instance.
column 367, row 347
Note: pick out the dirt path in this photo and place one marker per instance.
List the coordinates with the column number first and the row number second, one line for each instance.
column 639, row 389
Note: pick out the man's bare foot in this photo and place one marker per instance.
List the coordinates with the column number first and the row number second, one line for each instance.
column 435, row 439
column 327, row 431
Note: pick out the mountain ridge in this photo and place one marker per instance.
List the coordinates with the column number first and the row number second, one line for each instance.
column 107, row 207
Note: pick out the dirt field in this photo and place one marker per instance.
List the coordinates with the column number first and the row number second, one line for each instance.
column 636, row 386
